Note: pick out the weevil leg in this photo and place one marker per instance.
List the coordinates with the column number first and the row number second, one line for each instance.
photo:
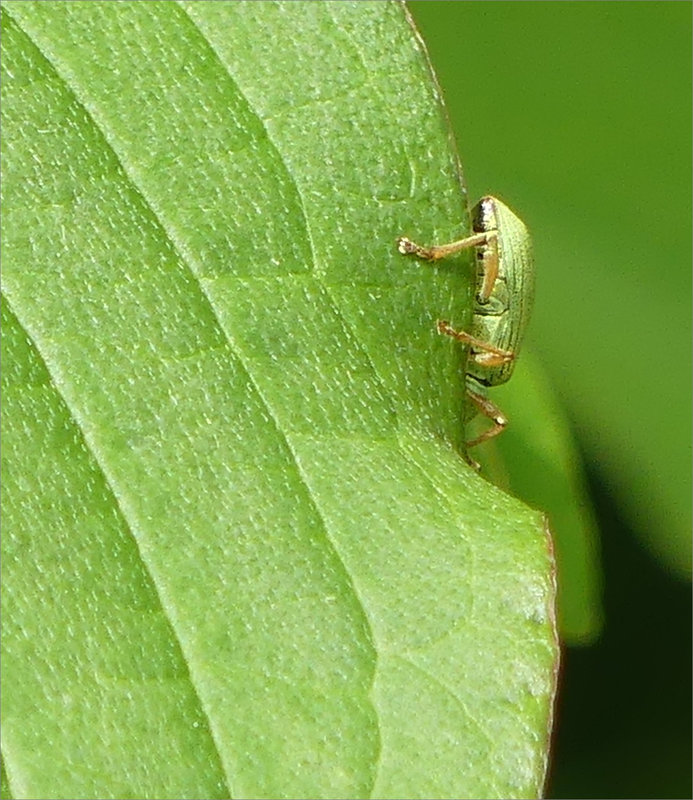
column 488, row 255
column 436, row 251
column 490, row 410
column 487, row 241
column 490, row 357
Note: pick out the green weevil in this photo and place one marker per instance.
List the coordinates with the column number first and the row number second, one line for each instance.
column 505, row 293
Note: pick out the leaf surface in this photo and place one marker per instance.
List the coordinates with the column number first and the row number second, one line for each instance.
column 244, row 556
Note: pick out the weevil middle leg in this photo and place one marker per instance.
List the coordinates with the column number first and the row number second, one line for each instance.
column 490, row 357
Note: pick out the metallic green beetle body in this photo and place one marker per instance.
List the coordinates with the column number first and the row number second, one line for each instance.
column 504, row 298
column 502, row 318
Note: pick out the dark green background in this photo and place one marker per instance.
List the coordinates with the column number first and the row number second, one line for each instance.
column 579, row 116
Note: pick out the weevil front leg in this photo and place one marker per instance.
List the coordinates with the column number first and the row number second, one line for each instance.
column 486, row 241
column 490, row 410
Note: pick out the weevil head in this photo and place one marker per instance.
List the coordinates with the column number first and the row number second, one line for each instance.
column 491, row 214
column 484, row 217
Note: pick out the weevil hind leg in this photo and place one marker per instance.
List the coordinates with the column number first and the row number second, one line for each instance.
column 490, row 410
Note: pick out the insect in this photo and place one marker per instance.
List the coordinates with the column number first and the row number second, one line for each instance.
column 504, row 297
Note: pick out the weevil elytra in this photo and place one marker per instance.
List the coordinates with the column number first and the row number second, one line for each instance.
column 504, row 297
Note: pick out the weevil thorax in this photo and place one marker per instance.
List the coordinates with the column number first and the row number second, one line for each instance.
column 502, row 319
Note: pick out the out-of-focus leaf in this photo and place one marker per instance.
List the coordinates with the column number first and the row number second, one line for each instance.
column 537, row 460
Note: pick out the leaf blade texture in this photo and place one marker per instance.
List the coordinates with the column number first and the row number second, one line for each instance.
column 230, row 387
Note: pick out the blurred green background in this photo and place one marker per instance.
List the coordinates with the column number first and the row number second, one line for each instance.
column 579, row 116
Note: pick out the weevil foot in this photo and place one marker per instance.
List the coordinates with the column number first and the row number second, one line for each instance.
column 408, row 248
column 475, row 465
column 490, row 410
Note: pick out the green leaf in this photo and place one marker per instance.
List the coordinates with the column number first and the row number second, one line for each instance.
column 243, row 555
column 5, row 792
